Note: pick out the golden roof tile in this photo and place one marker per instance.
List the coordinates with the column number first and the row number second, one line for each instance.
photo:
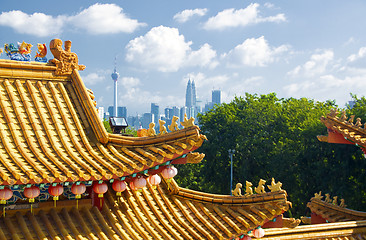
column 50, row 131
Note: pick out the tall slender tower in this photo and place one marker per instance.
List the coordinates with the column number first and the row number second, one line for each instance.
column 189, row 102
column 115, row 76
column 194, row 100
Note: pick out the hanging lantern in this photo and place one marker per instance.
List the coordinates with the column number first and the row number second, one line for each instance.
column 139, row 182
column 154, row 180
column 32, row 193
column 132, row 186
column 246, row 237
column 169, row 172
column 119, row 186
column 5, row 194
column 258, row 233
column 78, row 189
column 100, row 188
column 56, row 191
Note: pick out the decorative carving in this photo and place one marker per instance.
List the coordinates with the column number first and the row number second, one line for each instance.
column 358, row 122
column 318, row 195
column 333, row 113
column 174, row 125
column 291, row 222
column 275, row 187
column 237, row 191
column 151, row 131
column 342, row 204
column 322, row 138
column 162, row 128
column 41, row 54
column 20, row 53
column 343, row 116
column 350, row 120
column 187, row 122
column 248, row 188
column 195, row 157
column 65, row 60
column 335, row 199
column 327, row 198
column 260, row 188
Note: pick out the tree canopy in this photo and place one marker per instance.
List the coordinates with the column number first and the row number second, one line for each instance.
column 275, row 137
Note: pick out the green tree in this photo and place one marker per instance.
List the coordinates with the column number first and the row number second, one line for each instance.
column 276, row 138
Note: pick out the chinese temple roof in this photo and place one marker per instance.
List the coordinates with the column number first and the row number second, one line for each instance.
column 50, row 131
column 161, row 213
column 343, row 130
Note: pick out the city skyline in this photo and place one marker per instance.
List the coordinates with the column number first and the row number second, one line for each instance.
column 257, row 47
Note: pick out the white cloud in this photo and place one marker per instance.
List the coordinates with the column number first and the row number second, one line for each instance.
column 93, row 78
column 97, row 19
column 129, row 82
column 317, row 65
column 254, row 52
column 229, row 18
column 104, row 19
column 165, row 50
column 361, row 54
column 187, row 14
column 38, row 24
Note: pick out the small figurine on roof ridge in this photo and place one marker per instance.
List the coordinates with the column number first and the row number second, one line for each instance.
column 19, row 53
column 318, row 195
column 65, row 60
column 350, row 120
column 187, row 122
column 335, row 200
column 151, row 131
column 260, row 188
column 237, row 191
column 342, row 204
column 327, row 198
column 41, row 54
column 274, row 187
column 162, row 128
column 174, row 125
column 358, row 122
column 248, row 188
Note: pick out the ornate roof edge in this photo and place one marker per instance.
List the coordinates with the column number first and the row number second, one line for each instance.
column 317, row 231
column 228, row 199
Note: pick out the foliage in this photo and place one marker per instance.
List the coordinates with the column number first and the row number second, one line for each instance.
column 277, row 138
column 129, row 130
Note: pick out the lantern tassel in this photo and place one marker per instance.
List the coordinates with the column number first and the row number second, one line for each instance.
column 77, row 203
column 4, row 211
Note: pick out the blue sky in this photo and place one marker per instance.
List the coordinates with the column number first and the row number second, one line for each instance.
column 313, row 49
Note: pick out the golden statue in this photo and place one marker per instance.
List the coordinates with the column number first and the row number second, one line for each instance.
column 274, row 187
column 318, row 195
column 187, row 122
column 162, row 128
column 260, row 188
column 174, row 125
column 195, row 157
column 237, row 191
column 65, row 60
column 335, row 199
column 151, row 131
column 248, row 189
column 327, row 198
column 342, row 204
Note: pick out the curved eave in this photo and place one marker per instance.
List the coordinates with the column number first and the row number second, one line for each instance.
column 354, row 134
column 340, row 231
column 334, row 213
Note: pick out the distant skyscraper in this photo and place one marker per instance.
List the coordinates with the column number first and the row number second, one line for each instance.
column 216, row 96
column 111, row 111
column 122, row 112
column 115, row 76
column 191, row 94
column 147, row 118
column 155, row 112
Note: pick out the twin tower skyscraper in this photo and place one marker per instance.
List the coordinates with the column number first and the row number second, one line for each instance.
column 191, row 100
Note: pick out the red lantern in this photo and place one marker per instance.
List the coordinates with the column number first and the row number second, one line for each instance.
column 100, row 188
column 5, row 194
column 32, row 193
column 78, row 189
column 246, row 237
column 119, row 186
column 139, row 182
column 169, row 172
column 258, row 233
column 132, row 186
column 56, row 191
column 154, row 180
